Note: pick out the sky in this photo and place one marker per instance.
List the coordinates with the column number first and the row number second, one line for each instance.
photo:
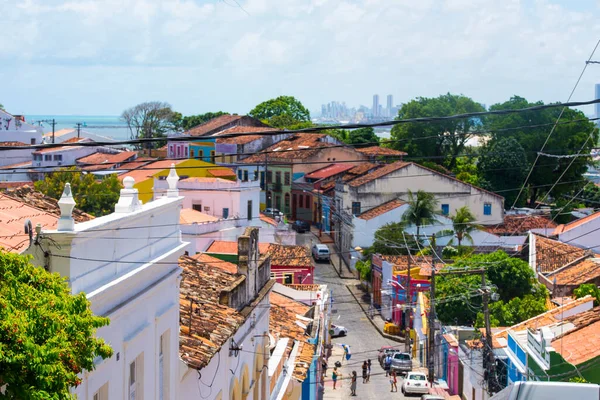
column 98, row 57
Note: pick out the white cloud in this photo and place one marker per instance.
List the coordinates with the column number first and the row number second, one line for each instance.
column 320, row 50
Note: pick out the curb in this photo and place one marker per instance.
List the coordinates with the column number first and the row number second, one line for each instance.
column 385, row 335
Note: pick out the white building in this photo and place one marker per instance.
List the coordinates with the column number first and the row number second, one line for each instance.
column 220, row 209
column 581, row 233
column 64, row 155
column 377, row 188
column 63, row 135
column 224, row 330
column 127, row 265
column 14, row 132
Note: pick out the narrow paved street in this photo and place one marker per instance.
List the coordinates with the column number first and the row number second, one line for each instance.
column 363, row 338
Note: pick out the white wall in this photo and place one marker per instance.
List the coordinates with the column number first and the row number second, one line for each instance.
column 69, row 155
column 254, row 356
column 584, row 236
column 10, row 131
column 364, row 230
column 10, row 157
column 127, row 265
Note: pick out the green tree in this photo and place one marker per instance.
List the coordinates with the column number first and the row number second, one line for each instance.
column 365, row 136
column 422, row 210
column 286, row 121
column 588, row 289
column 190, row 121
column 567, row 138
column 503, row 164
column 463, row 223
column 1, row 107
column 282, row 105
column 444, row 140
column 391, row 239
column 46, row 333
column 516, row 310
column 454, row 303
column 95, row 198
column 152, row 119
column 364, row 269
column 591, row 195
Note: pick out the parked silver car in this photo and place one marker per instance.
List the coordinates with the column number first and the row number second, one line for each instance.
column 401, row 362
column 320, row 252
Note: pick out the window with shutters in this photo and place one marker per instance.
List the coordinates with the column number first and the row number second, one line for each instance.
column 286, row 178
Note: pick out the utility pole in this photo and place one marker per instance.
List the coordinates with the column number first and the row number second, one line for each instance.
column 78, row 129
column 407, row 305
column 488, row 349
column 431, row 333
column 53, row 122
column 269, row 205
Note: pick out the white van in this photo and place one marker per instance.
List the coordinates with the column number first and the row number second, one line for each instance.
column 320, row 252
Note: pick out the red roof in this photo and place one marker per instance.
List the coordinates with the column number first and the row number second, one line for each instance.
column 220, row 173
column 381, row 209
column 106, row 158
column 245, row 138
column 566, row 227
column 63, row 148
column 227, row 247
column 378, row 173
column 328, row 171
column 12, row 144
column 374, row 151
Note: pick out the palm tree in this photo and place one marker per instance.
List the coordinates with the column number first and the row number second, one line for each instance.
column 463, row 224
column 422, row 209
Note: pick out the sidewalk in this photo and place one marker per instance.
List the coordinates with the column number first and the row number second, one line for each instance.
column 373, row 316
column 342, row 390
column 344, row 272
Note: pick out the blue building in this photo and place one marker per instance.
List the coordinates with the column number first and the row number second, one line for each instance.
column 516, row 362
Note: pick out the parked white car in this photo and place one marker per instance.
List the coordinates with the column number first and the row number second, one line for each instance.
column 415, row 382
column 337, row 330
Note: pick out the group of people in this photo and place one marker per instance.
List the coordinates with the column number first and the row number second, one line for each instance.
column 366, row 375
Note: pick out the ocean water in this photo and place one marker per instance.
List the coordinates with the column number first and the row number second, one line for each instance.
column 105, row 125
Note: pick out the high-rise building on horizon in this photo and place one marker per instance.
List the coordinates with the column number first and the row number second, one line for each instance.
column 375, row 109
column 390, row 105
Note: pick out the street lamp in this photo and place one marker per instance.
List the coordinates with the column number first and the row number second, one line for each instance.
column 303, row 279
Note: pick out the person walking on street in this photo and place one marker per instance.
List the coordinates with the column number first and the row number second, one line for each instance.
column 353, row 384
column 368, row 370
column 334, row 377
column 387, row 364
column 364, row 371
column 393, row 381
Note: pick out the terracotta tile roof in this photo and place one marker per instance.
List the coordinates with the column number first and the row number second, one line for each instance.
column 574, row 275
column 567, row 227
column 458, row 180
column 63, row 148
column 378, row 173
column 299, row 146
column 329, row 171
column 28, row 195
column 221, row 173
column 401, row 262
column 138, row 163
column 215, row 262
column 381, row 209
column 105, row 158
column 12, row 144
column 283, row 323
column 585, row 318
column 289, row 255
column 211, row 126
column 7, row 185
column 375, row 151
column 229, row 247
column 191, row 216
column 149, row 170
column 59, row 132
column 246, row 138
column 268, row 220
column 552, row 254
column 205, row 324
column 451, row 339
column 13, row 214
column 579, row 345
column 351, row 174
column 308, row 287
column 519, row 224
column 548, row 318
column 18, row 165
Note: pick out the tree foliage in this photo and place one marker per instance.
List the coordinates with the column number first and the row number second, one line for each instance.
column 365, row 136
column 190, row 121
column 46, row 334
column 588, row 289
column 591, row 195
column 422, row 209
column 152, row 119
column 567, row 138
column 503, row 164
column 390, row 240
column 280, row 106
column 286, row 121
column 513, row 279
column 463, row 223
column 95, row 198
column 444, row 140
column 364, row 269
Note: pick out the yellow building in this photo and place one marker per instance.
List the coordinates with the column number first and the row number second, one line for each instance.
column 144, row 175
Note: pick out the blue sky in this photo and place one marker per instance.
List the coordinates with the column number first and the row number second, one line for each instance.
column 97, row 57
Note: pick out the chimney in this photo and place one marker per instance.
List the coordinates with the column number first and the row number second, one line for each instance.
column 128, row 201
column 66, row 204
column 172, row 180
